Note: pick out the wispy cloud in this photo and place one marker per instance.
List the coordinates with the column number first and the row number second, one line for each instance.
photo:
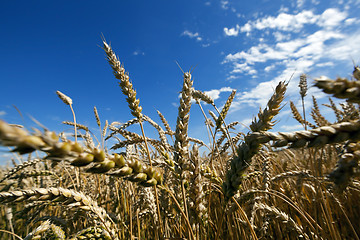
column 289, row 51
column 189, row 34
column 2, row 113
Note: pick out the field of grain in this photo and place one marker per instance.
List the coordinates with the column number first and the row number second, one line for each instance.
column 252, row 185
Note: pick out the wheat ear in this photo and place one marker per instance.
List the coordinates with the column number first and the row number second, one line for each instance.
column 69, row 197
column 73, row 152
column 318, row 137
column 298, row 117
column 20, row 167
column 265, row 117
column 303, row 90
column 317, row 116
column 127, row 89
column 166, row 124
column 181, row 155
column 346, row 165
column 68, row 101
column 340, row 88
column 95, row 232
column 247, row 149
column 125, row 84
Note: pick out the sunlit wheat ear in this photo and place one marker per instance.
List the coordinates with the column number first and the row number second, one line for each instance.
column 303, row 90
column 166, row 124
column 275, row 213
column 78, row 125
column 21, row 167
column 97, row 116
column 196, row 94
column 317, row 116
column 298, row 117
column 34, row 173
column 125, row 84
column 197, row 193
column 161, row 132
column 225, row 109
column 181, row 155
column 228, row 143
column 46, row 230
column 249, row 147
column 95, row 232
column 36, row 234
column 146, row 204
column 57, row 194
column 292, row 174
column 339, row 114
column 266, row 169
column 350, row 111
column 115, row 130
column 264, row 121
column 303, row 85
column 318, row 137
column 68, row 101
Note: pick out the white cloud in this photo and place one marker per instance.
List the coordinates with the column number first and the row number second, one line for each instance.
column 312, row 47
column 215, row 93
column 330, row 18
column 189, row 34
column 284, row 22
column 232, row 31
column 2, row 113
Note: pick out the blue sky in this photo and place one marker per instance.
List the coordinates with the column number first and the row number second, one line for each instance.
column 245, row 45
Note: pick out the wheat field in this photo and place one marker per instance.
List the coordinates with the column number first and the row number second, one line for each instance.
column 255, row 185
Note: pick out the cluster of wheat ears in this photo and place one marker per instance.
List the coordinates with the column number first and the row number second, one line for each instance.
column 255, row 185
